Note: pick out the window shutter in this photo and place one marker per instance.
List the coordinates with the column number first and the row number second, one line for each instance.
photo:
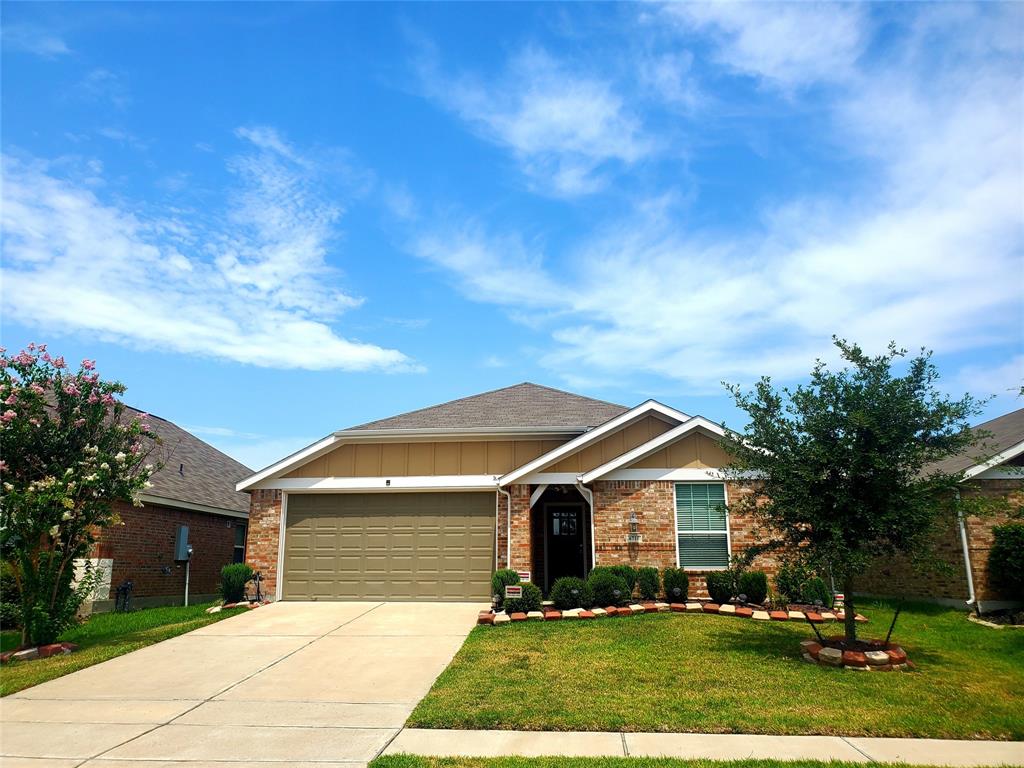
column 698, row 550
column 702, row 525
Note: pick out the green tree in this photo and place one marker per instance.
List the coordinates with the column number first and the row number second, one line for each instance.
column 68, row 450
column 842, row 461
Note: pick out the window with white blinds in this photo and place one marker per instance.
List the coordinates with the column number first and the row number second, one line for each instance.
column 702, row 525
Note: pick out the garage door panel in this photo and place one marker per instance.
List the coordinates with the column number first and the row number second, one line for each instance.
column 400, row 546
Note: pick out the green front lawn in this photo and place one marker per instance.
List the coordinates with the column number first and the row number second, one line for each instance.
column 104, row 636
column 718, row 674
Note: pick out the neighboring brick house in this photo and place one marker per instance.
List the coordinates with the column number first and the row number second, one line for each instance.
column 994, row 469
column 194, row 487
column 426, row 504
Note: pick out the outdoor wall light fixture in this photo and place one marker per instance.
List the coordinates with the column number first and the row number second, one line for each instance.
column 634, row 523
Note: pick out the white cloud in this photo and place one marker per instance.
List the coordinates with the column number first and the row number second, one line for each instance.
column 102, row 85
column 33, row 39
column 928, row 251
column 788, row 44
column 563, row 126
column 252, row 286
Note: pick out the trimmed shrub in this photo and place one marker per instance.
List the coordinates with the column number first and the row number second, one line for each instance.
column 720, row 586
column 233, row 579
column 790, row 579
column 815, row 589
column 502, row 578
column 570, row 592
column 625, row 572
column 753, row 584
column 10, row 599
column 674, row 578
column 1006, row 559
column 603, row 584
column 649, row 583
column 531, row 600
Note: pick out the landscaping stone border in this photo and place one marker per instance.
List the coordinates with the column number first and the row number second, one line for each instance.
column 240, row 604
column 38, row 652
column 743, row 612
column 887, row 657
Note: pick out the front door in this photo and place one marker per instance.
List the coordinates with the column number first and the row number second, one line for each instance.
column 564, row 542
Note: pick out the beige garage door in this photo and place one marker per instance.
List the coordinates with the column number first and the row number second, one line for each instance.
column 389, row 546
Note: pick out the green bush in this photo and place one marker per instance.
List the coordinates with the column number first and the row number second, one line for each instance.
column 625, row 572
column 815, row 589
column 1006, row 560
column 571, row 592
column 721, row 586
column 753, row 584
column 531, row 600
column 10, row 599
column 672, row 578
column 649, row 583
column 603, row 584
column 502, row 578
column 233, row 579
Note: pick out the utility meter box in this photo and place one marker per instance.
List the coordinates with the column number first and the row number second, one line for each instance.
column 182, row 549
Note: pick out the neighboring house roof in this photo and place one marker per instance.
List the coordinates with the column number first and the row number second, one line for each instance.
column 519, row 406
column 1004, row 441
column 194, row 473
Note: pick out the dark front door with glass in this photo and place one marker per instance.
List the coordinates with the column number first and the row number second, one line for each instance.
column 564, row 542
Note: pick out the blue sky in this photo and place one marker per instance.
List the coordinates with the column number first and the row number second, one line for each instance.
column 272, row 221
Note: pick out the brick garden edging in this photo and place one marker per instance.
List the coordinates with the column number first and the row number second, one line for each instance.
column 885, row 657
column 239, row 604
column 38, row 652
column 743, row 612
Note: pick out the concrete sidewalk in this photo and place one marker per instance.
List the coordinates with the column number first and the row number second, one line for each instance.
column 706, row 746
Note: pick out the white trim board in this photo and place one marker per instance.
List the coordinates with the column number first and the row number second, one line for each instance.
column 686, row 474
column 308, row 453
column 147, row 498
column 410, row 483
column 587, row 438
column 1009, row 453
column 282, row 530
column 652, row 445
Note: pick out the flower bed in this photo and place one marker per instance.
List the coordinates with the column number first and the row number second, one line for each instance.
column 860, row 656
column 740, row 611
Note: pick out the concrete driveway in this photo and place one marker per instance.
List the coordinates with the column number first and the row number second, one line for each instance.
column 300, row 684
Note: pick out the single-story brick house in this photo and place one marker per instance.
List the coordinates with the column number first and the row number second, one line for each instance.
column 195, row 487
column 993, row 469
column 425, row 505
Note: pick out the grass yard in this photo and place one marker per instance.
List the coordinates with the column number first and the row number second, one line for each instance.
column 415, row 761
column 719, row 674
column 104, row 636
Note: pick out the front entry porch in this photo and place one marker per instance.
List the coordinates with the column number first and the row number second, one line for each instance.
column 561, row 541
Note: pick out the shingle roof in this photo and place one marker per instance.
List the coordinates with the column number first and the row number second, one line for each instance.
column 1003, row 432
column 521, row 405
column 194, row 471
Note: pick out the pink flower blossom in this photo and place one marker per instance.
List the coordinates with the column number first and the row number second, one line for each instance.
column 31, row 345
column 3, row 465
column 89, row 364
column 93, row 398
column 46, row 357
column 79, row 423
column 136, row 447
column 59, row 361
column 37, row 389
column 41, row 347
column 71, row 389
column 24, row 358
column 34, row 421
column 107, row 399
column 11, row 400
column 8, row 416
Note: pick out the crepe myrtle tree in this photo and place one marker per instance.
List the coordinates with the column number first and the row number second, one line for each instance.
column 68, row 450
column 841, row 462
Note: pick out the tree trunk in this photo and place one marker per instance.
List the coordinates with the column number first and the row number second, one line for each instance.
column 850, row 623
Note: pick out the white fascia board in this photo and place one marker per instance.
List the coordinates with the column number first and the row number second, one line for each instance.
column 147, row 498
column 1001, row 473
column 308, row 453
column 587, row 438
column 550, row 478
column 684, row 474
column 1010, row 453
column 651, row 446
column 409, row 483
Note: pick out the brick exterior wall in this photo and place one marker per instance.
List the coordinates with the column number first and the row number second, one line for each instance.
column 522, row 531
column 654, row 504
column 143, row 545
column 896, row 576
column 261, row 546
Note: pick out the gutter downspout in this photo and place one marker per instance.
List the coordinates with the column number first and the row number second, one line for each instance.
column 508, row 527
column 497, row 511
column 971, row 598
column 589, row 496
